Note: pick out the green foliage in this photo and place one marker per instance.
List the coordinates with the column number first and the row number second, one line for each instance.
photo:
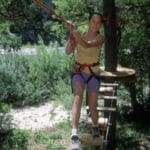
column 4, row 108
column 32, row 79
column 5, row 118
column 94, row 5
column 134, row 46
column 15, row 139
column 76, row 9
column 57, row 139
column 63, row 93
column 30, row 22
column 8, row 41
column 10, row 139
column 132, row 136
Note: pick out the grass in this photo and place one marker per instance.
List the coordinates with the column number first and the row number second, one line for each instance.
column 52, row 138
column 58, row 138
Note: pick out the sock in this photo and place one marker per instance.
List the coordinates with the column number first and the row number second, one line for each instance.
column 95, row 125
column 74, row 131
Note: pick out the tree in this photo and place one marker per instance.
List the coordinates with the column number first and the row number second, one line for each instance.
column 27, row 20
column 134, row 46
column 110, row 29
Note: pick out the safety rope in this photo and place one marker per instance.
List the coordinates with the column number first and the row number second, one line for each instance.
column 121, row 20
column 50, row 10
column 105, row 19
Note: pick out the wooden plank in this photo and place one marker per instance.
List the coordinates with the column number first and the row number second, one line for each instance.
column 109, row 84
column 107, row 97
column 106, row 89
column 87, row 139
column 104, row 109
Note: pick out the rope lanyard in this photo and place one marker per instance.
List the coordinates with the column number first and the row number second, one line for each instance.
column 50, row 10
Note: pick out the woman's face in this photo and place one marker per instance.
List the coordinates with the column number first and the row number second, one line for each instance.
column 95, row 23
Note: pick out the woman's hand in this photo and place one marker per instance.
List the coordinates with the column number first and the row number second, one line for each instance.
column 71, row 43
column 69, row 25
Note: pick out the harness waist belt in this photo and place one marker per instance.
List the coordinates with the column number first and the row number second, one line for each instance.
column 80, row 67
column 87, row 65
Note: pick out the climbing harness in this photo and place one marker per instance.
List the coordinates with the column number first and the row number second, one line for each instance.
column 80, row 67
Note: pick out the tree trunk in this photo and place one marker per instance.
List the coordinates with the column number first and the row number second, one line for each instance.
column 110, row 35
column 109, row 12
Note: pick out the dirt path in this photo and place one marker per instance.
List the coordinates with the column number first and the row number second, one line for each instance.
column 34, row 118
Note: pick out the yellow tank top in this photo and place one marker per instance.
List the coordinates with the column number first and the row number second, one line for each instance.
column 88, row 56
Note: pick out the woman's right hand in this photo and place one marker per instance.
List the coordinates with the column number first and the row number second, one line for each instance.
column 69, row 25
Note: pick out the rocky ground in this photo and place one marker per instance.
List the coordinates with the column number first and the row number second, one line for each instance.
column 38, row 117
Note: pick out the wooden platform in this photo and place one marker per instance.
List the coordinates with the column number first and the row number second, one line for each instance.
column 120, row 73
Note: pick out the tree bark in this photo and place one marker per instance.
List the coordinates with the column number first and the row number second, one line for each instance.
column 109, row 12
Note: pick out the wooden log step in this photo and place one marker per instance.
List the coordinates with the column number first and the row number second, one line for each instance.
column 102, row 122
column 109, row 84
column 87, row 139
column 107, row 97
column 106, row 89
column 104, row 109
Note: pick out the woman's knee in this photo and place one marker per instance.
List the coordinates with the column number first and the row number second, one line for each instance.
column 78, row 98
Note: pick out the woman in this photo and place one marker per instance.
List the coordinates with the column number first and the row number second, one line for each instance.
column 86, row 72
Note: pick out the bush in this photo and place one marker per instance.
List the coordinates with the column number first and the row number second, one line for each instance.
column 5, row 119
column 30, row 79
column 10, row 139
column 8, row 41
column 15, row 139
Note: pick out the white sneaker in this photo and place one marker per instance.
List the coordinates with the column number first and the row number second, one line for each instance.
column 75, row 142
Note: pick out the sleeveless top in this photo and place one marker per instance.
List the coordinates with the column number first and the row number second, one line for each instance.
column 88, row 56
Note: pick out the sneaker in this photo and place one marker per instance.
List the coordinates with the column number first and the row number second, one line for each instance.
column 95, row 131
column 75, row 142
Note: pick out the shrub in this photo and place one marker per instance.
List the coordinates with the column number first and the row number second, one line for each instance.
column 5, row 119
column 15, row 139
column 10, row 139
column 8, row 41
column 30, row 79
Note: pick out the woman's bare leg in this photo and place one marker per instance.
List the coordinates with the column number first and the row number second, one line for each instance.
column 78, row 89
column 92, row 101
